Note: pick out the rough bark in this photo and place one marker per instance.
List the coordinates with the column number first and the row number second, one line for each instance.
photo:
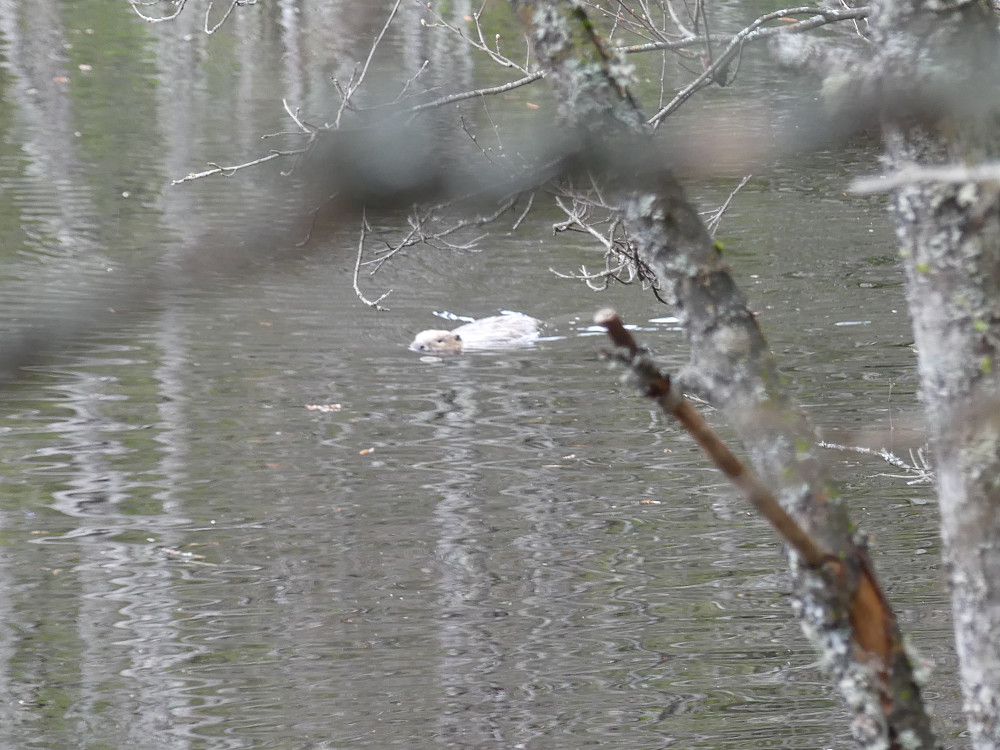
column 732, row 365
column 949, row 237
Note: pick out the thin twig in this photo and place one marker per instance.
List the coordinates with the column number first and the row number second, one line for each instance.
column 409, row 82
column 495, row 55
column 713, row 221
column 356, row 81
column 357, row 268
column 488, row 91
column 918, row 471
column 295, row 116
column 232, row 5
column 529, row 203
column 677, row 21
column 735, row 46
column 153, row 19
column 230, row 171
column 820, row 17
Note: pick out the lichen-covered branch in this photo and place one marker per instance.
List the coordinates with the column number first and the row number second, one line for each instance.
column 949, row 235
column 875, row 631
column 732, row 366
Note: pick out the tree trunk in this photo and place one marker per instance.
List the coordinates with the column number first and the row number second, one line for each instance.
column 732, row 366
column 949, row 237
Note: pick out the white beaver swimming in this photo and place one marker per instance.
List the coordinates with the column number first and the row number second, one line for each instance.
column 496, row 332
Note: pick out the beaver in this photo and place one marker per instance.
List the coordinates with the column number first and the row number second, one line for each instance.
column 495, row 332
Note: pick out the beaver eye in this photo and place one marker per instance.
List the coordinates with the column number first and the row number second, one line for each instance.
column 440, row 340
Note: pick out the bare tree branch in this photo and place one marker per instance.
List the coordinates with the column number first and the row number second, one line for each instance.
column 952, row 174
column 357, row 267
column 715, row 217
column 359, row 78
column 751, row 33
column 217, row 169
column 136, row 4
column 229, row 10
column 918, row 471
column 487, row 91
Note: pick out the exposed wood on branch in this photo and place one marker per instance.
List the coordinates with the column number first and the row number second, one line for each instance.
column 873, row 623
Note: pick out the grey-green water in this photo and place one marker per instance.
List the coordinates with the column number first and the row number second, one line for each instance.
column 492, row 551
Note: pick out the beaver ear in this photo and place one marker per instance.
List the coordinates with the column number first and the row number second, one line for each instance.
column 457, row 337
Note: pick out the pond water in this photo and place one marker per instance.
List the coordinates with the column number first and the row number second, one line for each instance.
column 240, row 514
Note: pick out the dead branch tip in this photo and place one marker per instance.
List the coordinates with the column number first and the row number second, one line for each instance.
column 619, row 336
column 604, row 316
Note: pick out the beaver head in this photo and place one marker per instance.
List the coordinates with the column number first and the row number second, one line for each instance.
column 437, row 342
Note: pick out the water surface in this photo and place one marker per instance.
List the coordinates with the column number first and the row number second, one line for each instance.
column 499, row 550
